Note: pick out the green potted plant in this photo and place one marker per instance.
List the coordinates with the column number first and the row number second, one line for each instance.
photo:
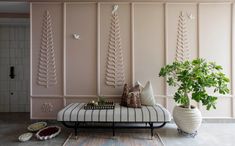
column 192, row 79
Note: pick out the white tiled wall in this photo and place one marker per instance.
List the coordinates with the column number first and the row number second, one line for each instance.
column 14, row 51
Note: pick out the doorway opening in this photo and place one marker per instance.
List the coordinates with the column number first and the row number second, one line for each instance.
column 14, row 57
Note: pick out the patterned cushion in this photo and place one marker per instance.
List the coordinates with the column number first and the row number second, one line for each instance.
column 139, row 86
column 131, row 96
column 133, row 99
column 125, row 95
column 136, row 88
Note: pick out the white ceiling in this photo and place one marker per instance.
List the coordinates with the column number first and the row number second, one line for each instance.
column 14, row 7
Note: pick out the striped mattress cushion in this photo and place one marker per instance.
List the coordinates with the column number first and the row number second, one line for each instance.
column 76, row 112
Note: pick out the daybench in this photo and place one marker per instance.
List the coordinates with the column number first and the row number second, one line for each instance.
column 74, row 116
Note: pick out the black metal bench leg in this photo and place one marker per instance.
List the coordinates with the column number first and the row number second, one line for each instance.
column 151, row 127
column 76, row 128
column 113, row 129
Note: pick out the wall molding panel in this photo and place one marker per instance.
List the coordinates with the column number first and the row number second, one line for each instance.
column 216, row 43
column 47, row 107
column 81, row 54
column 98, row 49
column 64, row 50
column 144, row 38
column 233, row 60
column 46, row 49
column 122, row 45
column 166, row 51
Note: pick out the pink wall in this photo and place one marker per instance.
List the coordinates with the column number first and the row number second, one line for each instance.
column 76, row 70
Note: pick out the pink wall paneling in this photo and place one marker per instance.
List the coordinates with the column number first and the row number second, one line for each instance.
column 46, row 50
column 147, row 34
column 149, row 44
column 81, row 54
column 124, row 23
column 215, row 43
column 223, row 109
column 189, row 25
column 45, row 107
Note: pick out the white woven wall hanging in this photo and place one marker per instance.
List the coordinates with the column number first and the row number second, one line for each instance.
column 47, row 66
column 182, row 47
column 115, row 67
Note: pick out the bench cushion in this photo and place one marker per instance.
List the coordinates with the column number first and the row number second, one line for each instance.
column 76, row 112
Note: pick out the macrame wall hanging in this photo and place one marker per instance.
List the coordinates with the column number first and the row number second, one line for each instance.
column 182, row 47
column 115, row 67
column 47, row 66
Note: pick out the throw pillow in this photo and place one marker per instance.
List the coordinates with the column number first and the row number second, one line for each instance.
column 131, row 96
column 141, row 86
column 125, row 95
column 134, row 100
column 136, row 88
column 147, row 95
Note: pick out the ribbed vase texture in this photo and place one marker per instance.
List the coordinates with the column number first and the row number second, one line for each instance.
column 188, row 120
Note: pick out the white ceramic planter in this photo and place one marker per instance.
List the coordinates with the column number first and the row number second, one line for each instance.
column 188, row 120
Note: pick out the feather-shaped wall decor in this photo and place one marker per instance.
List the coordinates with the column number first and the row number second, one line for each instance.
column 47, row 66
column 182, row 47
column 115, row 67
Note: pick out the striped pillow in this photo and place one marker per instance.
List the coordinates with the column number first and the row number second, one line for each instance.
column 147, row 95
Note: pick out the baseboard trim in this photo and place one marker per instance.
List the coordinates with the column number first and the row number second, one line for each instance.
column 218, row 120
column 214, row 120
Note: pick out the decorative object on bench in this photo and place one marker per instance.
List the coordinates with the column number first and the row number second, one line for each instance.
column 125, row 95
column 95, row 105
column 48, row 132
column 193, row 78
column 131, row 96
column 133, row 100
column 75, row 116
column 25, row 137
column 147, row 95
column 37, row 126
column 101, row 103
column 101, row 100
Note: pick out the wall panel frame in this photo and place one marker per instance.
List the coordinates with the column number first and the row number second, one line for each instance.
column 38, row 11
column 161, row 22
column 124, row 16
column 81, row 53
column 215, row 37
column 148, row 54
